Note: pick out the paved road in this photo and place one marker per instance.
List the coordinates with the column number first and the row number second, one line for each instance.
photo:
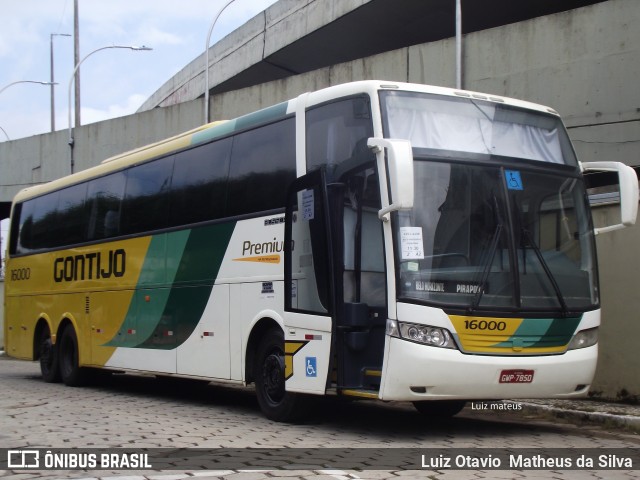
column 139, row 412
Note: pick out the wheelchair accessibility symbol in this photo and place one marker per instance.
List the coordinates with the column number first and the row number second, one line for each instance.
column 311, row 363
column 513, row 179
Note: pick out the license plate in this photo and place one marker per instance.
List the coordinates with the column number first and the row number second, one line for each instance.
column 516, row 376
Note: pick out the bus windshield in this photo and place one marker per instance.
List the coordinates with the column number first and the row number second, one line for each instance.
column 492, row 232
column 459, row 124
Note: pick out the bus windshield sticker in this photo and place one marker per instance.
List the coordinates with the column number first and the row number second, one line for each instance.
column 411, row 243
column 513, row 179
column 307, row 205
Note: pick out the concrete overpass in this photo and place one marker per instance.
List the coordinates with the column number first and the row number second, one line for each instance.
column 291, row 38
column 580, row 57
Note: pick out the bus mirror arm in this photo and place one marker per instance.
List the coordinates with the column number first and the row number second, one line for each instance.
column 396, row 171
column 628, row 192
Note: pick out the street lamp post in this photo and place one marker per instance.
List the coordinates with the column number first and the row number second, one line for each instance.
column 53, row 108
column 73, row 75
column 459, row 44
column 206, row 61
column 23, row 81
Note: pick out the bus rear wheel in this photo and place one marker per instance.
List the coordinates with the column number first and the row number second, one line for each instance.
column 48, row 356
column 440, row 408
column 275, row 402
column 70, row 371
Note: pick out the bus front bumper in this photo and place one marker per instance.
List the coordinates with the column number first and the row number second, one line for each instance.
column 415, row 372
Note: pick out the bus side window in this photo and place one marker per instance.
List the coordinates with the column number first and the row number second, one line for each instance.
column 21, row 228
column 104, row 199
column 71, row 217
column 15, row 229
column 263, row 165
column 333, row 131
column 43, row 229
column 146, row 200
column 199, row 184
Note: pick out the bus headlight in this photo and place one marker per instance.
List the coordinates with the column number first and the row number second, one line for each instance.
column 584, row 339
column 425, row 334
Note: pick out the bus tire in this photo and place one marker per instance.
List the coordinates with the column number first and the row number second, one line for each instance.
column 440, row 408
column 275, row 402
column 72, row 374
column 48, row 356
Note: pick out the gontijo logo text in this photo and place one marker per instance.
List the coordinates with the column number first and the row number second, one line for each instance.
column 90, row 266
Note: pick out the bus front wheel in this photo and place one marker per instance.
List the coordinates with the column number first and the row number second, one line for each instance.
column 70, row 371
column 275, row 402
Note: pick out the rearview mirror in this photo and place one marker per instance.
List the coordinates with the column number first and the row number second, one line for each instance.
column 628, row 192
column 399, row 169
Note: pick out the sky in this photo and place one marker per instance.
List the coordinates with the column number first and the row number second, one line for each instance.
column 114, row 82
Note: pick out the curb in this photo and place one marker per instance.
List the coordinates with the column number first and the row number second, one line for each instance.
column 629, row 422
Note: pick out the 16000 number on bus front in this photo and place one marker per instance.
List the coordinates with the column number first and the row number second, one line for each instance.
column 485, row 325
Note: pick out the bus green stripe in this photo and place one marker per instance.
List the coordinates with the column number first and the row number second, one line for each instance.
column 170, row 298
column 265, row 115
column 221, row 130
column 559, row 332
column 191, row 288
column 142, row 316
column 542, row 332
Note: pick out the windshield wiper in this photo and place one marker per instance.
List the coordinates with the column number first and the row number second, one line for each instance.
column 487, row 267
column 546, row 269
column 492, row 253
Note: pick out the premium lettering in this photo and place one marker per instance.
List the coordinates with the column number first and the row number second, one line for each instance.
column 250, row 248
column 90, row 266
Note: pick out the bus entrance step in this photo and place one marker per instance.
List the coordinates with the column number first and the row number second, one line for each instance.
column 371, row 379
column 352, row 392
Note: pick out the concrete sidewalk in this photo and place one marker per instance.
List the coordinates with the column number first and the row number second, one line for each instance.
column 611, row 414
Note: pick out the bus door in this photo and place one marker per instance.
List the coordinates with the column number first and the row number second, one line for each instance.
column 334, row 272
column 309, row 286
column 361, row 319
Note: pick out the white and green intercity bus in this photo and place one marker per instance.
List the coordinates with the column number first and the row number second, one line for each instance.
column 373, row 239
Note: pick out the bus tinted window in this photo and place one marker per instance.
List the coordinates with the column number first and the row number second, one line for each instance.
column 336, row 131
column 43, row 229
column 104, row 198
column 146, row 199
column 71, row 223
column 262, row 167
column 24, row 220
column 15, row 228
column 253, row 168
column 198, row 188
